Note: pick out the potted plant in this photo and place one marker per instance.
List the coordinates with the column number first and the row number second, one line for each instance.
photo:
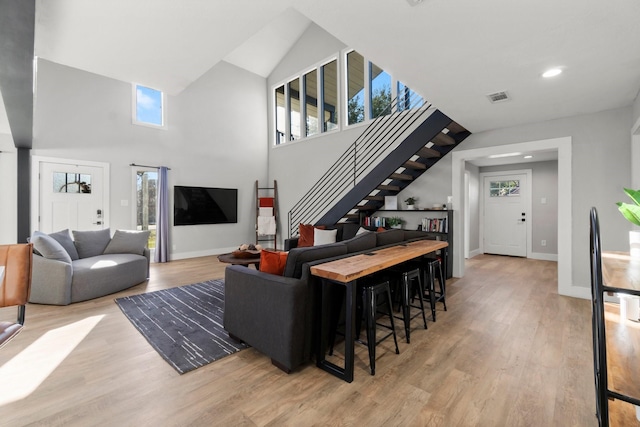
column 632, row 213
column 410, row 201
column 394, row 222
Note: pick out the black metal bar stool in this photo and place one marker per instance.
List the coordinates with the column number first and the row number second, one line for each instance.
column 408, row 275
column 433, row 270
column 371, row 303
column 370, row 297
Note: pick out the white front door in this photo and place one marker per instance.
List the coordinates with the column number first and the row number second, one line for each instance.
column 506, row 213
column 71, row 196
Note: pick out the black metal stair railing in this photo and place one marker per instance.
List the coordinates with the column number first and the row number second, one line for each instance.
column 380, row 137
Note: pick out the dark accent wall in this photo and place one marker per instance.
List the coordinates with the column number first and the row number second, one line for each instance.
column 24, row 194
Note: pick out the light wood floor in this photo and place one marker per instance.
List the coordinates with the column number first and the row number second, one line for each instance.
column 508, row 352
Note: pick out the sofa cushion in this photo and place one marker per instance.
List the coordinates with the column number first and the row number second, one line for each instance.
column 324, row 237
column 91, row 243
column 273, row 262
column 306, row 232
column 105, row 274
column 361, row 242
column 127, row 242
column 299, row 256
column 389, row 237
column 49, row 248
column 64, row 238
column 349, row 230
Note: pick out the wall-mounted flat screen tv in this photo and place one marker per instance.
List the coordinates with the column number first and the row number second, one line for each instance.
column 204, row 205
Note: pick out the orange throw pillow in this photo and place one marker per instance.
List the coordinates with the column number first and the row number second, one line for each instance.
column 306, row 234
column 273, row 262
column 381, row 229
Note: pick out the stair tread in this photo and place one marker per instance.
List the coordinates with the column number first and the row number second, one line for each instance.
column 389, row 187
column 367, row 208
column 443, row 139
column 455, row 128
column 375, row 198
column 410, row 164
column 428, row 153
column 401, row 177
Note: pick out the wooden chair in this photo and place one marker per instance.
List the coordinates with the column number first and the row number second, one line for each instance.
column 15, row 284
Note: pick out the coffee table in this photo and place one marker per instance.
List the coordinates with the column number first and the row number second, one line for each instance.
column 233, row 260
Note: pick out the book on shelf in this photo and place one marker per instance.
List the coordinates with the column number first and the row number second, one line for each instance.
column 436, row 225
column 374, row 221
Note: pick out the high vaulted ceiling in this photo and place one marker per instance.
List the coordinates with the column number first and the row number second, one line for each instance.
column 453, row 52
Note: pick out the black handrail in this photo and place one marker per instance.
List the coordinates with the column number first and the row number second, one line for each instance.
column 381, row 134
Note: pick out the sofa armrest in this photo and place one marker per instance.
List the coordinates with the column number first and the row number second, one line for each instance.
column 146, row 252
column 268, row 313
column 290, row 243
column 50, row 281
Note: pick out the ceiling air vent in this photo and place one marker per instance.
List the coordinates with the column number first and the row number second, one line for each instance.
column 498, row 97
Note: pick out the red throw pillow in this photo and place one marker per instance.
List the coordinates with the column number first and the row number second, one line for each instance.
column 273, row 262
column 306, row 234
column 380, row 229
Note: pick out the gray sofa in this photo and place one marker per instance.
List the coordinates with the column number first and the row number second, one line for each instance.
column 276, row 314
column 90, row 265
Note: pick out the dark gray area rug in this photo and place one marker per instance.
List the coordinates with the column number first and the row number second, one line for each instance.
column 183, row 324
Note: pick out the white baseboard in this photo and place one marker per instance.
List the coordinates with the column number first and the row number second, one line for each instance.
column 577, row 292
column 543, row 257
column 475, row 252
column 196, row 254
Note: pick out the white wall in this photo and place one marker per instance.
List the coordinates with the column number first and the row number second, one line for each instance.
column 8, row 191
column 474, row 209
column 84, row 116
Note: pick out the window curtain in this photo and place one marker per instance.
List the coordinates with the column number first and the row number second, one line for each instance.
column 162, row 217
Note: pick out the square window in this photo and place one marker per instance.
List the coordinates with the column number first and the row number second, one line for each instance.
column 149, row 106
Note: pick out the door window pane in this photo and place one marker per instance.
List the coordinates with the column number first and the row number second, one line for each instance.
column 380, row 90
column 146, row 184
column 330, row 95
column 355, row 88
column 311, row 102
column 504, row 188
column 294, row 105
column 280, row 115
column 68, row 182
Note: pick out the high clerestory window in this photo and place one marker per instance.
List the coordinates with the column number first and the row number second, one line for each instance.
column 148, row 106
column 309, row 104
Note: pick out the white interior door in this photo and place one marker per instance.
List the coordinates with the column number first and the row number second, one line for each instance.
column 506, row 213
column 71, row 196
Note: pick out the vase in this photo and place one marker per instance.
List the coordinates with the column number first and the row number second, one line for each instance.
column 410, row 207
column 634, row 243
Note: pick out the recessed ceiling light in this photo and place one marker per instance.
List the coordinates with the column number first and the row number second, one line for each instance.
column 497, row 156
column 552, row 72
column 414, row 2
column 528, row 157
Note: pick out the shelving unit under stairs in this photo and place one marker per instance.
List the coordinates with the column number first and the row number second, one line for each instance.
column 437, row 222
column 267, row 214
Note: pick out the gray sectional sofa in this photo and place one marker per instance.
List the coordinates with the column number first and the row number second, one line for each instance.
column 90, row 265
column 277, row 314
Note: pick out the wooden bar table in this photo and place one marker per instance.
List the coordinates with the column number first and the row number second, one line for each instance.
column 346, row 271
column 621, row 275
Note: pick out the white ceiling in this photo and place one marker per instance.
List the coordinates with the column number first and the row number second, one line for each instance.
column 453, row 52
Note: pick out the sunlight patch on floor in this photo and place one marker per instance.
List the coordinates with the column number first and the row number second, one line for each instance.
column 22, row 375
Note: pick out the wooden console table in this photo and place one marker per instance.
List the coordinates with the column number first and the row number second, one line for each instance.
column 621, row 275
column 346, row 271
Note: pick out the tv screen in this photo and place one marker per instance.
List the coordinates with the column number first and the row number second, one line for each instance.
column 204, row 205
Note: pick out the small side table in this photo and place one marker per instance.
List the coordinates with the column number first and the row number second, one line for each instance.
column 233, row 260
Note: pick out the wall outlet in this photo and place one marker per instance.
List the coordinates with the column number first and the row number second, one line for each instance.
column 543, row 243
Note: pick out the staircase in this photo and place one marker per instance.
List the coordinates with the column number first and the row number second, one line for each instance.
column 393, row 151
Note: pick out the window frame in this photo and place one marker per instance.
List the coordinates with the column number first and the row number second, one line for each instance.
column 134, row 107
column 320, row 101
